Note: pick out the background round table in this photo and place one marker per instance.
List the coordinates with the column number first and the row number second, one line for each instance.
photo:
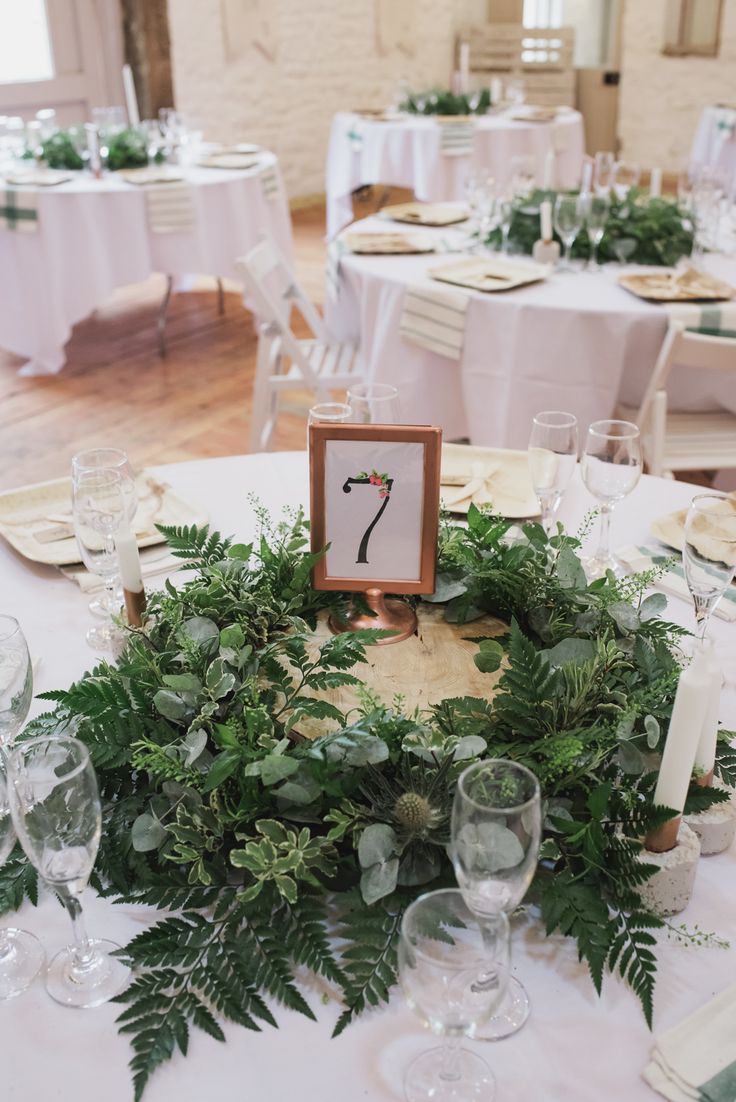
column 714, row 145
column 406, row 152
column 573, row 1042
column 94, row 236
column 575, row 341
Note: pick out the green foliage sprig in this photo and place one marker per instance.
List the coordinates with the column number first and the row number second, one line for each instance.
column 265, row 843
column 441, row 101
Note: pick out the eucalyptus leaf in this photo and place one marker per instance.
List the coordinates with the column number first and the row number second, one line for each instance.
column 570, row 571
column 570, row 650
column 147, row 833
column 488, row 848
column 652, row 606
column 469, row 746
column 378, row 842
column 625, row 616
column 651, row 726
column 489, row 656
column 194, row 744
column 276, row 767
column 170, row 705
column 378, row 881
column 202, row 630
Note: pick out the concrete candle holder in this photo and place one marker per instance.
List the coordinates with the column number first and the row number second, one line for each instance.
column 668, row 891
column 715, row 827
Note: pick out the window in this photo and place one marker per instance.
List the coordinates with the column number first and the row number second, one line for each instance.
column 542, row 13
column 692, row 27
column 25, row 45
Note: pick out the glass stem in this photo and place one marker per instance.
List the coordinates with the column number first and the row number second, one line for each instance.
column 451, row 1060
column 505, row 230
column 703, row 608
column 6, row 945
column 604, row 542
column 83, row 953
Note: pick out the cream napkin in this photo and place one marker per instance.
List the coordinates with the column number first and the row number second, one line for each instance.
column 697, row 1059
column 434, row 319
column 170, row 207
column 456, row 138
column 643, row 558
column 477, row 489
column 154, row 560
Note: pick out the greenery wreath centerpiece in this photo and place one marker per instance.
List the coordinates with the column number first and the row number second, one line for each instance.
column 266, row 844
column 441, row 101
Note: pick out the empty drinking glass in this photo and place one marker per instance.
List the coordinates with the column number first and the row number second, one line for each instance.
column 114, row 459
column 626, row 176
column 99, row 511
column 453, row 972
column 611, row 468
column 603, row 173
column 374, row 404
column 495, row 834
column 709, row 554
column 55, row 806
column 553, row 453
column 596, row 217
column 569, row 216
column 505, row 216
column 21, row 954
column 16, row 679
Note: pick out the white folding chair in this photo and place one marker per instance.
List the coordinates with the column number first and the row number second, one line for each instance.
column 284, row 361
column 686, row 441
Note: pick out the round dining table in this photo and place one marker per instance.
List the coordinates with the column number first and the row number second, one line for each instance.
column 434, row 157
column 575, row 1046
column 573, row 340
column 94, row 236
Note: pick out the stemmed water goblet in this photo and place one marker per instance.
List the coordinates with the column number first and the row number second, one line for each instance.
column 374, row 404
column 569, row 214
column 99, row 511
column 596, row 217
column 603, row 173
column 709, row 553
column 553, row 453
column 453, row 970
column 611, row 469
column 55, row 805
column 626, row 175
column 495, row 833
column 505, row 216
column 115, row 459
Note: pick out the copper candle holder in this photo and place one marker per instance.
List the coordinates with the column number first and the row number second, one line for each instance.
column 664, row 838
column 135, row 606
column 389, row 614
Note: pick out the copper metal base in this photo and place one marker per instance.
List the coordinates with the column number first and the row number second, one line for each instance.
column 705, row 780
column 664, row 838
column 135, row 606
column 390, row 614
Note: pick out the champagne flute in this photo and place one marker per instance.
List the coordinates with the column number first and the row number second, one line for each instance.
column 553, row 454
column 505, row 216
column 21, row 954
column 569, row 213
column 523, row 176
column 453, row 972
column 611, row 468
column 55, row 806
column 603, row 173
column 596, row 217
column 709, row 554
column 99, row 511
column 495, row 833
column 16, row 679
column 116, row 459
column 374, row 404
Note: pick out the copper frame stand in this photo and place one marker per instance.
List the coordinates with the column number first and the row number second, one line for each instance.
column 390, row 615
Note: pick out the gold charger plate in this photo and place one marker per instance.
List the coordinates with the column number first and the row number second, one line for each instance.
column 39, row 178
column 150, row 176
column 534, row 114
column 670, row 286
column 489, row 274
column 38, row 510
column 487, row 476
column 388, row 244
column 425, row 214
column 228, row 160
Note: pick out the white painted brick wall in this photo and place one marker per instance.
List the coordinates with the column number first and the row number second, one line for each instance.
column 326, row 60
column 662, row 97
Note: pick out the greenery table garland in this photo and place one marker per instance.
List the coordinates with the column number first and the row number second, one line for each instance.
column 127, row 148
column 266, row 844
column 441, row 101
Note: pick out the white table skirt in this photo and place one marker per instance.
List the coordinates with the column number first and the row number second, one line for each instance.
column 714, row 145
column 576, row 341
column 575, row 1046
column 93, row 237
column 406, row 153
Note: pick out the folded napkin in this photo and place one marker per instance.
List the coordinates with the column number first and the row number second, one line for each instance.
column 673, row 582
column 434, row 319
column 714, row 319
column 697, row 1059
column 270, row 183
column 170, row 207
column 154, row 560
column 478, row 489
column 19, row 210
column 456, row 138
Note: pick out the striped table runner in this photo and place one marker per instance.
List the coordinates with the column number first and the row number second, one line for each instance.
column 170, row 207
column 714, row 319
column 434, row 319
column 19, row 210
column 270, row 183
column 456, row 138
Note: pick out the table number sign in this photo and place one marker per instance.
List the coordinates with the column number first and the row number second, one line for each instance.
column 374, row 492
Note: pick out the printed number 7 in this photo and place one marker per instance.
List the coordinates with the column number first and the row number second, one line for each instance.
column 346, row 489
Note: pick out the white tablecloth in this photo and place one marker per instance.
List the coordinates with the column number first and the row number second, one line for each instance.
column 576, row 341
column 94, row 236
column 714, row 144
column 406, row 153
column 575, row 1046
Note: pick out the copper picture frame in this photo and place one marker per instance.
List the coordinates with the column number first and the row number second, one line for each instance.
column 418, row 496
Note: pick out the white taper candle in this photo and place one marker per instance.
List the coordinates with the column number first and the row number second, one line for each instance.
column 549, row 170
column 655, row 183
column 496, row 90
column 691, row 700
column 587, row 177
column 129, row 562
column 464, row 67
column 131, row 100
column 546, row 217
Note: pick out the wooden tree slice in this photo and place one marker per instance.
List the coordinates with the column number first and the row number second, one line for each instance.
column 435, row 663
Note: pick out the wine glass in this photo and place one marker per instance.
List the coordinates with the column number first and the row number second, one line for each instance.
column 626, row 176
column 709, row 554
column 21, row 954
column 553, row 453
column 16, row 679
column 116, row 459
column 569, row 214
column 603, row 173
column 495, row 832
column 99, row 511
column 611, row 468
column 374, row 404
column 523, row 176
column 453, row 971
column 334, row 413
column 55, row 806
column 596, row 217
column 505, row 216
